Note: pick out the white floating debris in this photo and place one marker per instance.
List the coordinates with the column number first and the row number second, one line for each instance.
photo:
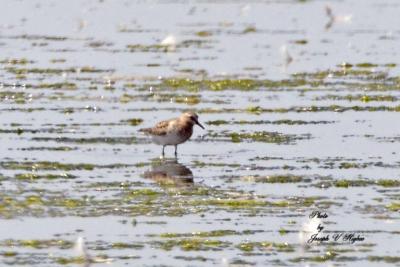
column 80, row 248
column 336, row 19
column 169, row 42
column 286, row 56
column 309, row 228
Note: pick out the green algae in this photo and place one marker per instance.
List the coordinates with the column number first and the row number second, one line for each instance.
column 17, row 61
column 249, row 29
column 231, row 203
column 147, row 48
column 217, row 85
column 39, row 243
column 388, row 183
column 192, row 244
column 8, row 253
column 328, row 256
column 201, row 164
column 255, row 110
column 35, row 176
column 301, row 42
column 55, row 71
column 279, row 247
column 252, row 203
column 72, row 260
column 266, row 137
column 17, row 97
column 191, row 99
column 214, row 233
column 45, row 165
column 363, row 182
column 274, row 179
column 394, row 206
column 360, row 97
column 134, row 121
column 122, row 245
column 126, row 98
column 204, row 33
column 283, row 231
column 141, row 192
column 347, row 183
column 63, row 85
column 366, row 65
column 217, row 122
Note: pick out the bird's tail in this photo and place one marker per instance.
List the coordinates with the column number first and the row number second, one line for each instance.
column 145, row 130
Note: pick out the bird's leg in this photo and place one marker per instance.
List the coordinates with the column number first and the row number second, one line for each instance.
column 163, row 150
column 176, row 150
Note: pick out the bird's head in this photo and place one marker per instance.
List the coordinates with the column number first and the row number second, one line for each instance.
column 192, row 118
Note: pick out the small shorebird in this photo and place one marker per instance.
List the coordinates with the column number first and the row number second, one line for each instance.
column 173, row 132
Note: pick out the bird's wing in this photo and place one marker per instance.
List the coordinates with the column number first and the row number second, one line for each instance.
column 160, row 129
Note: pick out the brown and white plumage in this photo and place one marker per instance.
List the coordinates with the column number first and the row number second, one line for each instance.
column 174, row 131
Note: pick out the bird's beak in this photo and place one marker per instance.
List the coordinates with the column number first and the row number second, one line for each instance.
column 198, row 123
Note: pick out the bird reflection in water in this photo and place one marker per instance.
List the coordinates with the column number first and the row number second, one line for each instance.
column 168, row 171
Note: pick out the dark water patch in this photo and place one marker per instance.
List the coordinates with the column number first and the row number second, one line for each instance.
column 360, row 97
column 45, row 148
column 193, row 258
column 89, row 140
column 39, row 37
column 328, row 256
column 173, row 47
column 49, row 165
column 385, row 139
column 344, row 72
column 20, row 131
column 201, row 164
column 192, row 244
column 57, row 60
column 275, row 179
column 214, row 233
column 277, row 122
column 65, row 110
column 386, row 259
column 97, row 44
column 265, row 137
column 302, row 109
column 111, row 185
column 55, row 71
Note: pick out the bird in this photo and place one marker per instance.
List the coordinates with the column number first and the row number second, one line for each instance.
column 174, row 131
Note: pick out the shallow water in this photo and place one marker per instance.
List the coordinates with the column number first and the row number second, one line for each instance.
column 287, row 133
